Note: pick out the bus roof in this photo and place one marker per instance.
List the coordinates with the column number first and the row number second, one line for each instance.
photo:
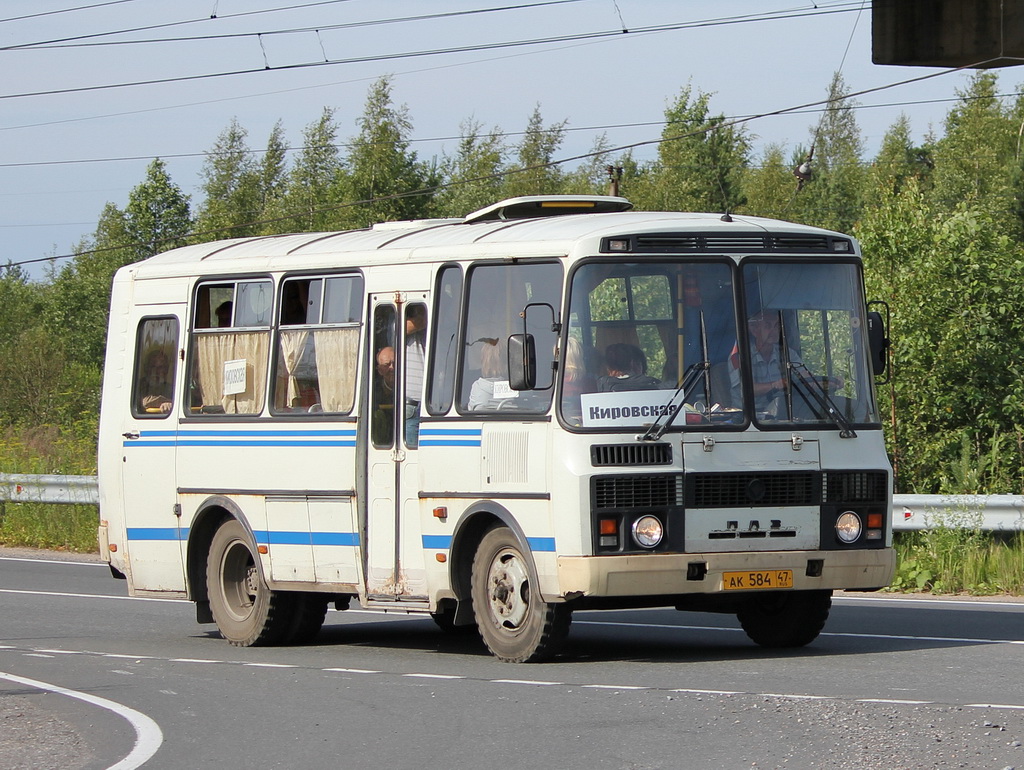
column 526, row 226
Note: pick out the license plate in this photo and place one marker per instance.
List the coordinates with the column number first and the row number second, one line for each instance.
column 754, row 579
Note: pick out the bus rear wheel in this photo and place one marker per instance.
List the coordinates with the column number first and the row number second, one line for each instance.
column 247, row 613
column 782, row 619
column 514, row 622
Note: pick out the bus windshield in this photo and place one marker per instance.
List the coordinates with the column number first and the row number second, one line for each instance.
column 807, row 343
column 646, row 338
column 636, row 331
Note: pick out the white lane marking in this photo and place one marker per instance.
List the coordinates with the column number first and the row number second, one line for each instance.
column 615, row 687
column 148, row 736
column 896, row 701
column 56, row 561
column 897, row 637
column 434, row 676
column 542, row 683
column 92, row 596
column 354, row 670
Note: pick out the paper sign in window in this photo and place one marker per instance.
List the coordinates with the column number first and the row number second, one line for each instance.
column 234, row 377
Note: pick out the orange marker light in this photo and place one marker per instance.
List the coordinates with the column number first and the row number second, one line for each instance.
column 609, row 526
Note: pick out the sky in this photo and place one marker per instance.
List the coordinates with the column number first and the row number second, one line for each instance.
column 94, row 90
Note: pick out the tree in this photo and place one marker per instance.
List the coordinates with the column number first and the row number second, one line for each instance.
column 472, row 177
column 533, row 172
column 311, row 199
column 231, row 187
column 769, row 188
column 157, row 217
column 272, row 180
column 385, row 179
column 833, row 196
column 700, row 160
column 976, row 159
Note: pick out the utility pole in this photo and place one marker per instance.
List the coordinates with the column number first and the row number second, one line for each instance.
column 614, row 177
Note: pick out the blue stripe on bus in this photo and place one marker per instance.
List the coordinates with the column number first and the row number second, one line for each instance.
column 157, row 533
column 444, row 542
column 184, row 441
column 541, row 543
column 437, row 542
column 430, row 436
column 279, row 537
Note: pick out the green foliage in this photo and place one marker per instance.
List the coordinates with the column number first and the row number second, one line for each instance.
column 701, row 160
column 533, row 172
column 473, row 174
column 384, row 178
column 232, row 187
column 955, row 556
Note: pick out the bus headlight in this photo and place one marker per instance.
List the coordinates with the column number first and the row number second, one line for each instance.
column 848, row 527
column 648, row 531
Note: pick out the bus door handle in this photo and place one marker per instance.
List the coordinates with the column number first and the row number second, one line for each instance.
column 132, row 434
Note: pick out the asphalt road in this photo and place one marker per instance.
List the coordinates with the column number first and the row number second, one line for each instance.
column 92, row 679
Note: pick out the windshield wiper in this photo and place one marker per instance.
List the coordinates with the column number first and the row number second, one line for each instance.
column 814, row 388
column 694, row 374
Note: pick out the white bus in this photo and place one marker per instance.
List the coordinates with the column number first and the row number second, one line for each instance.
column 554, row 403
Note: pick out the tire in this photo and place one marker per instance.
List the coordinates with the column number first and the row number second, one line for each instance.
column 782, row 619
column 247, row 613
column 308, row 612
column 514, row 622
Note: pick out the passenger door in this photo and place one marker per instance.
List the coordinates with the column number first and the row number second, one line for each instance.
column 394, row 552
column 148, row 487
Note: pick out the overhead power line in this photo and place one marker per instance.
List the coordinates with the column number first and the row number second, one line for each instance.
column 551, row 164
column 64, row 10
column 651, row 29
column 69, row 42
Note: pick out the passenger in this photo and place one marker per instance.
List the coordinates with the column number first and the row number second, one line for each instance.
column 382, row 424
column 770, row 379
column 224, row 313
column 627, row 370
column 576, row 379
column 493, row 370
column 415, row 354
column 156, row 387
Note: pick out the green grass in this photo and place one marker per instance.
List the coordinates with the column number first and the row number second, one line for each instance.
column 946, row 560
column 53, row 527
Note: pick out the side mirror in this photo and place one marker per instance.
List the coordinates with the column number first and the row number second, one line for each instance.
column 878, row 342
column 522, row 362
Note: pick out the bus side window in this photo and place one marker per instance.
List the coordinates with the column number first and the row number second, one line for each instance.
column 230, row 347
column 155, row 365
column 441, row 388
column 318, row 345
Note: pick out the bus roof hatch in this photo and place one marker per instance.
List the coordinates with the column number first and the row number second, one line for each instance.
column 534, row 206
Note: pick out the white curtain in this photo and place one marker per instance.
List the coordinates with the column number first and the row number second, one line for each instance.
column 337, row 352
column 293, row 343
column 213, row 350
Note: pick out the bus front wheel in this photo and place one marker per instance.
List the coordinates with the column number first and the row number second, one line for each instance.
column 514, row 622
column 786, row 619
column 247, row 613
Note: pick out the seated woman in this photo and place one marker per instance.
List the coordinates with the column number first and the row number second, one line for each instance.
column 576, row 378
column 491, row 390
column 627, row 370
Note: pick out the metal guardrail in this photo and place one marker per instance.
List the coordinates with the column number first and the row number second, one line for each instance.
column 26, row 488
column 909, row 512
